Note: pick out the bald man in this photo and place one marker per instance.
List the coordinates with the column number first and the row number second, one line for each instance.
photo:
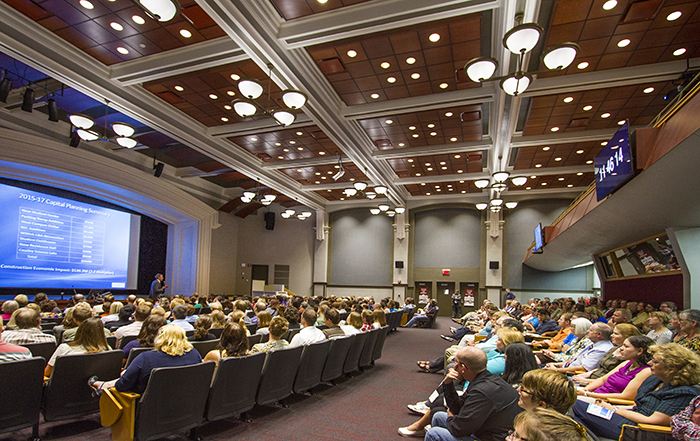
column 484, row 412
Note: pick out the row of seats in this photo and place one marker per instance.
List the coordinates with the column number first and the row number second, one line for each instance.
column 238, row 384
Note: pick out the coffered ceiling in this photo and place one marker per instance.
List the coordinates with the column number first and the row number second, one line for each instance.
column 388, row 100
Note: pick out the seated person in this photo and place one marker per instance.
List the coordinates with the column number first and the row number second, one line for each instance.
column 565, row 336
column 147, row 334
column 623, row 381
column 547, row 389
column 89, row 338
column 309, row 332
column 675, row 370
column 180, row 314
column 332, row 318
column 171, row 349
column 612, row 358
column 368, row 320
column 430, row 309
column 589, row 358
column 233, row 343
column 658, row 327
column 546, row 425
column 124, row 315
column 81, row 312
column 28, row 329
column 546, row 324
column 278, row 327
column 354, row 324
column 686, row 425
column 201, row 329
column 264, row 319
column 10, row 352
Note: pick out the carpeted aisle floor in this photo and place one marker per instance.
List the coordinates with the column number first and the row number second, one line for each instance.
column 370, row 406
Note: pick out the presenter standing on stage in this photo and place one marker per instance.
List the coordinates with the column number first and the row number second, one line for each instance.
column 157, row 287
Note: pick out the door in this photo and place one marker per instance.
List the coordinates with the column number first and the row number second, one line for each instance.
column 259, row 278
column 444, row 298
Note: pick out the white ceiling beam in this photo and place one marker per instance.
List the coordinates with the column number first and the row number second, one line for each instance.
column 553, row 171
column 443, row 178
column 563, row 138
column 307, row 162
column 457, row 147
column 254, row 127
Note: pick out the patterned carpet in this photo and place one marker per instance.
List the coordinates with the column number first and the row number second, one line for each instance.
column 369, row 406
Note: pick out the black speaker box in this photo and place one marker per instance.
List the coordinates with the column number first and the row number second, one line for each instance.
column 269, row 220
column 398, row 263
column 493, row 264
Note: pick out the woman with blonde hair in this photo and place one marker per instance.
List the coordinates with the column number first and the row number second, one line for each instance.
column 354, row 324
column 658, row 327
column 264, row 319
column 171, row 349
column 379, row 318
column 89, row 338
column 219, row 319
column 675, row 370
column 542, row 424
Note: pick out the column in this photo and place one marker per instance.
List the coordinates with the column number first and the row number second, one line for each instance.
column 400, row 275
column 494, row 253
column 321, row 250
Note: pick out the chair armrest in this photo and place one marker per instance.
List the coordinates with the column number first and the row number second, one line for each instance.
column 654, row 428
column 118, row 410
column 620, row 401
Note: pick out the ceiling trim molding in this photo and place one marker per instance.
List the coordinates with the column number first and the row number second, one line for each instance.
column 307, row 162
column 457, row 147
column 443, row 178
column 254, row 127
column 563, row 138
column 553, row 171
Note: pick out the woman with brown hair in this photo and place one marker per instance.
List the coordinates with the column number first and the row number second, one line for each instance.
column 89, row 338
column 264, row 319
column 201, row 329
column 233, row 343
column 147, row 334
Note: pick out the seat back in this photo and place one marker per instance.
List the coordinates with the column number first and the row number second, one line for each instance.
column 133, row 353
column 337, row 354
column 278, row 375
column 20, row 399
column 235, row 386
column 352, row 361
column 311, row 366
column 45, row 350
column 291, row 333
column 112, row 341
column 252, row 328
column 377, row 353
column 166, row 410
column 58, row 332
column 67, row 394
column 203, row 347
column 205, row 310
column 254, row 339
column 189, row 333
column 368, row 349
column 217, row 331
column 126, row 339
column 48, row 326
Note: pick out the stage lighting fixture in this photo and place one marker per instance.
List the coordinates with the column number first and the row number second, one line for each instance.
column 28, row 100
column 158, row 169
column 5, row 88
column 53, row 110
column 74, row 139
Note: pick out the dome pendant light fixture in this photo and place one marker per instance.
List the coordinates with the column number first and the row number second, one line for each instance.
column 251, row 89
column 84, row 128
column 520, row 40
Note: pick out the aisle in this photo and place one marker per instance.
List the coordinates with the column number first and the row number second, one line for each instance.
column 370, row 406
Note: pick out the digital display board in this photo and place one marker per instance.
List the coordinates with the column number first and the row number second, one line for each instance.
column 613, row 165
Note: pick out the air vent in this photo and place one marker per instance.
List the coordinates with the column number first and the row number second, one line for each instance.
column 171, row 98
column 382, row 143
column 470, row 116
column 642, row 10
column 331, row 66
column 264, row 156
column 579, row 122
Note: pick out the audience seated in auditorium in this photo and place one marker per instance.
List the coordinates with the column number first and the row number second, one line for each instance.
column 201, row 329
column 657, row 323
column 113, row 313
column 379, row 319
column 218, row 319
column 612, row 358
column 9, row 352
column 81, row 312
column 309, row 332
column 367, row 320
column 430, row 309
column 546, row 425
column 621, row 315
column 588, row 359
column 89, row 338
column 675, row 370
column 690, row 327
column 623, row 381
column 180, row 315
column 685, row 425
column 171, row 349
column 142, row 312
column 8, row 307
column 354, row 324
column 278, row 327
column 546, row 324
column 292, row 315
column 147, row 334
column 264, row 320
column 28, row 329
column 232, row 343
column 565, row 336
column 124, row 318
column 546, row 389
column 49, row 309
column 333, row 330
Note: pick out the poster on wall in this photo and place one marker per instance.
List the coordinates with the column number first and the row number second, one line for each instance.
column 423, row 294
column 469, row 296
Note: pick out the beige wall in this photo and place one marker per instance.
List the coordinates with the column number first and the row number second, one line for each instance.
column 224, row 248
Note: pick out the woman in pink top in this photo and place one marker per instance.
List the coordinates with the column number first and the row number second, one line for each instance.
column 623, row 381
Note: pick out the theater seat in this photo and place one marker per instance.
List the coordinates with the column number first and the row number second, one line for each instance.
column 157, row 413
column 311, row 366
column 20, row 400
column 337, row 354
column 133, row 353
column 368, row 349
column 278, row 375
column 203, row 347
column 352, row 361
column 67, row 394
column 377, row 353
column 234, row 387
column 45, row 350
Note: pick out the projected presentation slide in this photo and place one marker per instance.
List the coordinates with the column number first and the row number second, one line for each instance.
column 52, row 242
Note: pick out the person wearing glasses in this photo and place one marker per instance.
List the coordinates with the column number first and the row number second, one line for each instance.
column 670, row 388
column 486, row 409
column 542, row 424
column 690, row 327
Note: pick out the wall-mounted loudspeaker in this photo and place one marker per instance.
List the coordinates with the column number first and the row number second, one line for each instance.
column 269, row 220
column 493, row 264
column 398, row 263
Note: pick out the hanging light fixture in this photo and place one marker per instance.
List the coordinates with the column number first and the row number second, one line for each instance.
column 520, row 40
column 518, row 181
column 159, row 10
column 350, row 192
column 259, row 196
column 380, row 189
column 497, row 202
column 501, row 176
column 511, row 204
column 84, row 127
column 251, row 89
column 383, row 207
column 360, row 186
column 499, row 186
column 375, row 210
column 482, row 206
column 482, row 183
column 370, row 195
column 400, row 210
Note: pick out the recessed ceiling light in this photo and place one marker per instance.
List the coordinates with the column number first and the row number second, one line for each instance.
column 460, row 171
column 213, row 96
column 427, row 164
column 86, row 4
column 410, row 60
column 224, row 119
column 116, row 26
column 583, row 65
column 604, row 143
column 429, row 169
column 415, row 75
column 461, row 182
column 560, row 179
column 299, row 133
column 587, row 108
column 401, row 144
column 590, row 161
column 330, row 172
column 385, row 65
column 417, row 174
column 444, row 85
column 678, row 52
column 579, row 152
column 415, row 135
column 570, row 185
column 422, row 183
column 442, row 162
column 568, row 99
column 322, row 1
column 122, row 50
column 434, row 37
column 649, row 90
column 322, row 153
column 374, row 96
column 554, row 129
column 185, row 33
column 230, row 93
column 557, row 159
column 464, row 191
column 138, row 19
column 538, row 165
column 528, row 188
column 545, row 149
column 427, row 194
column 624, row 42
column 280, row 157
column 453, row 139
column 410, row 160
column 352, row 53
column 235, row 77
column 292, row 142
column 323, row 177
column 579, row 174
column 253, row 139
column 300, row 148
column 227, row 107
column 449, row 114
column 433, row 133
column 318, row 173
column 621, row 122
column 457, row 156
column 389, row 121
column 179, row 88
column 318, row 182
column 609, row 4
column 431, row 125
column 444, row 168
column 543, row 183
column 284, row 150
column 674, row 16
column 605, row 115
column 411, row 127
column 391, row 80
column 533, row 177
